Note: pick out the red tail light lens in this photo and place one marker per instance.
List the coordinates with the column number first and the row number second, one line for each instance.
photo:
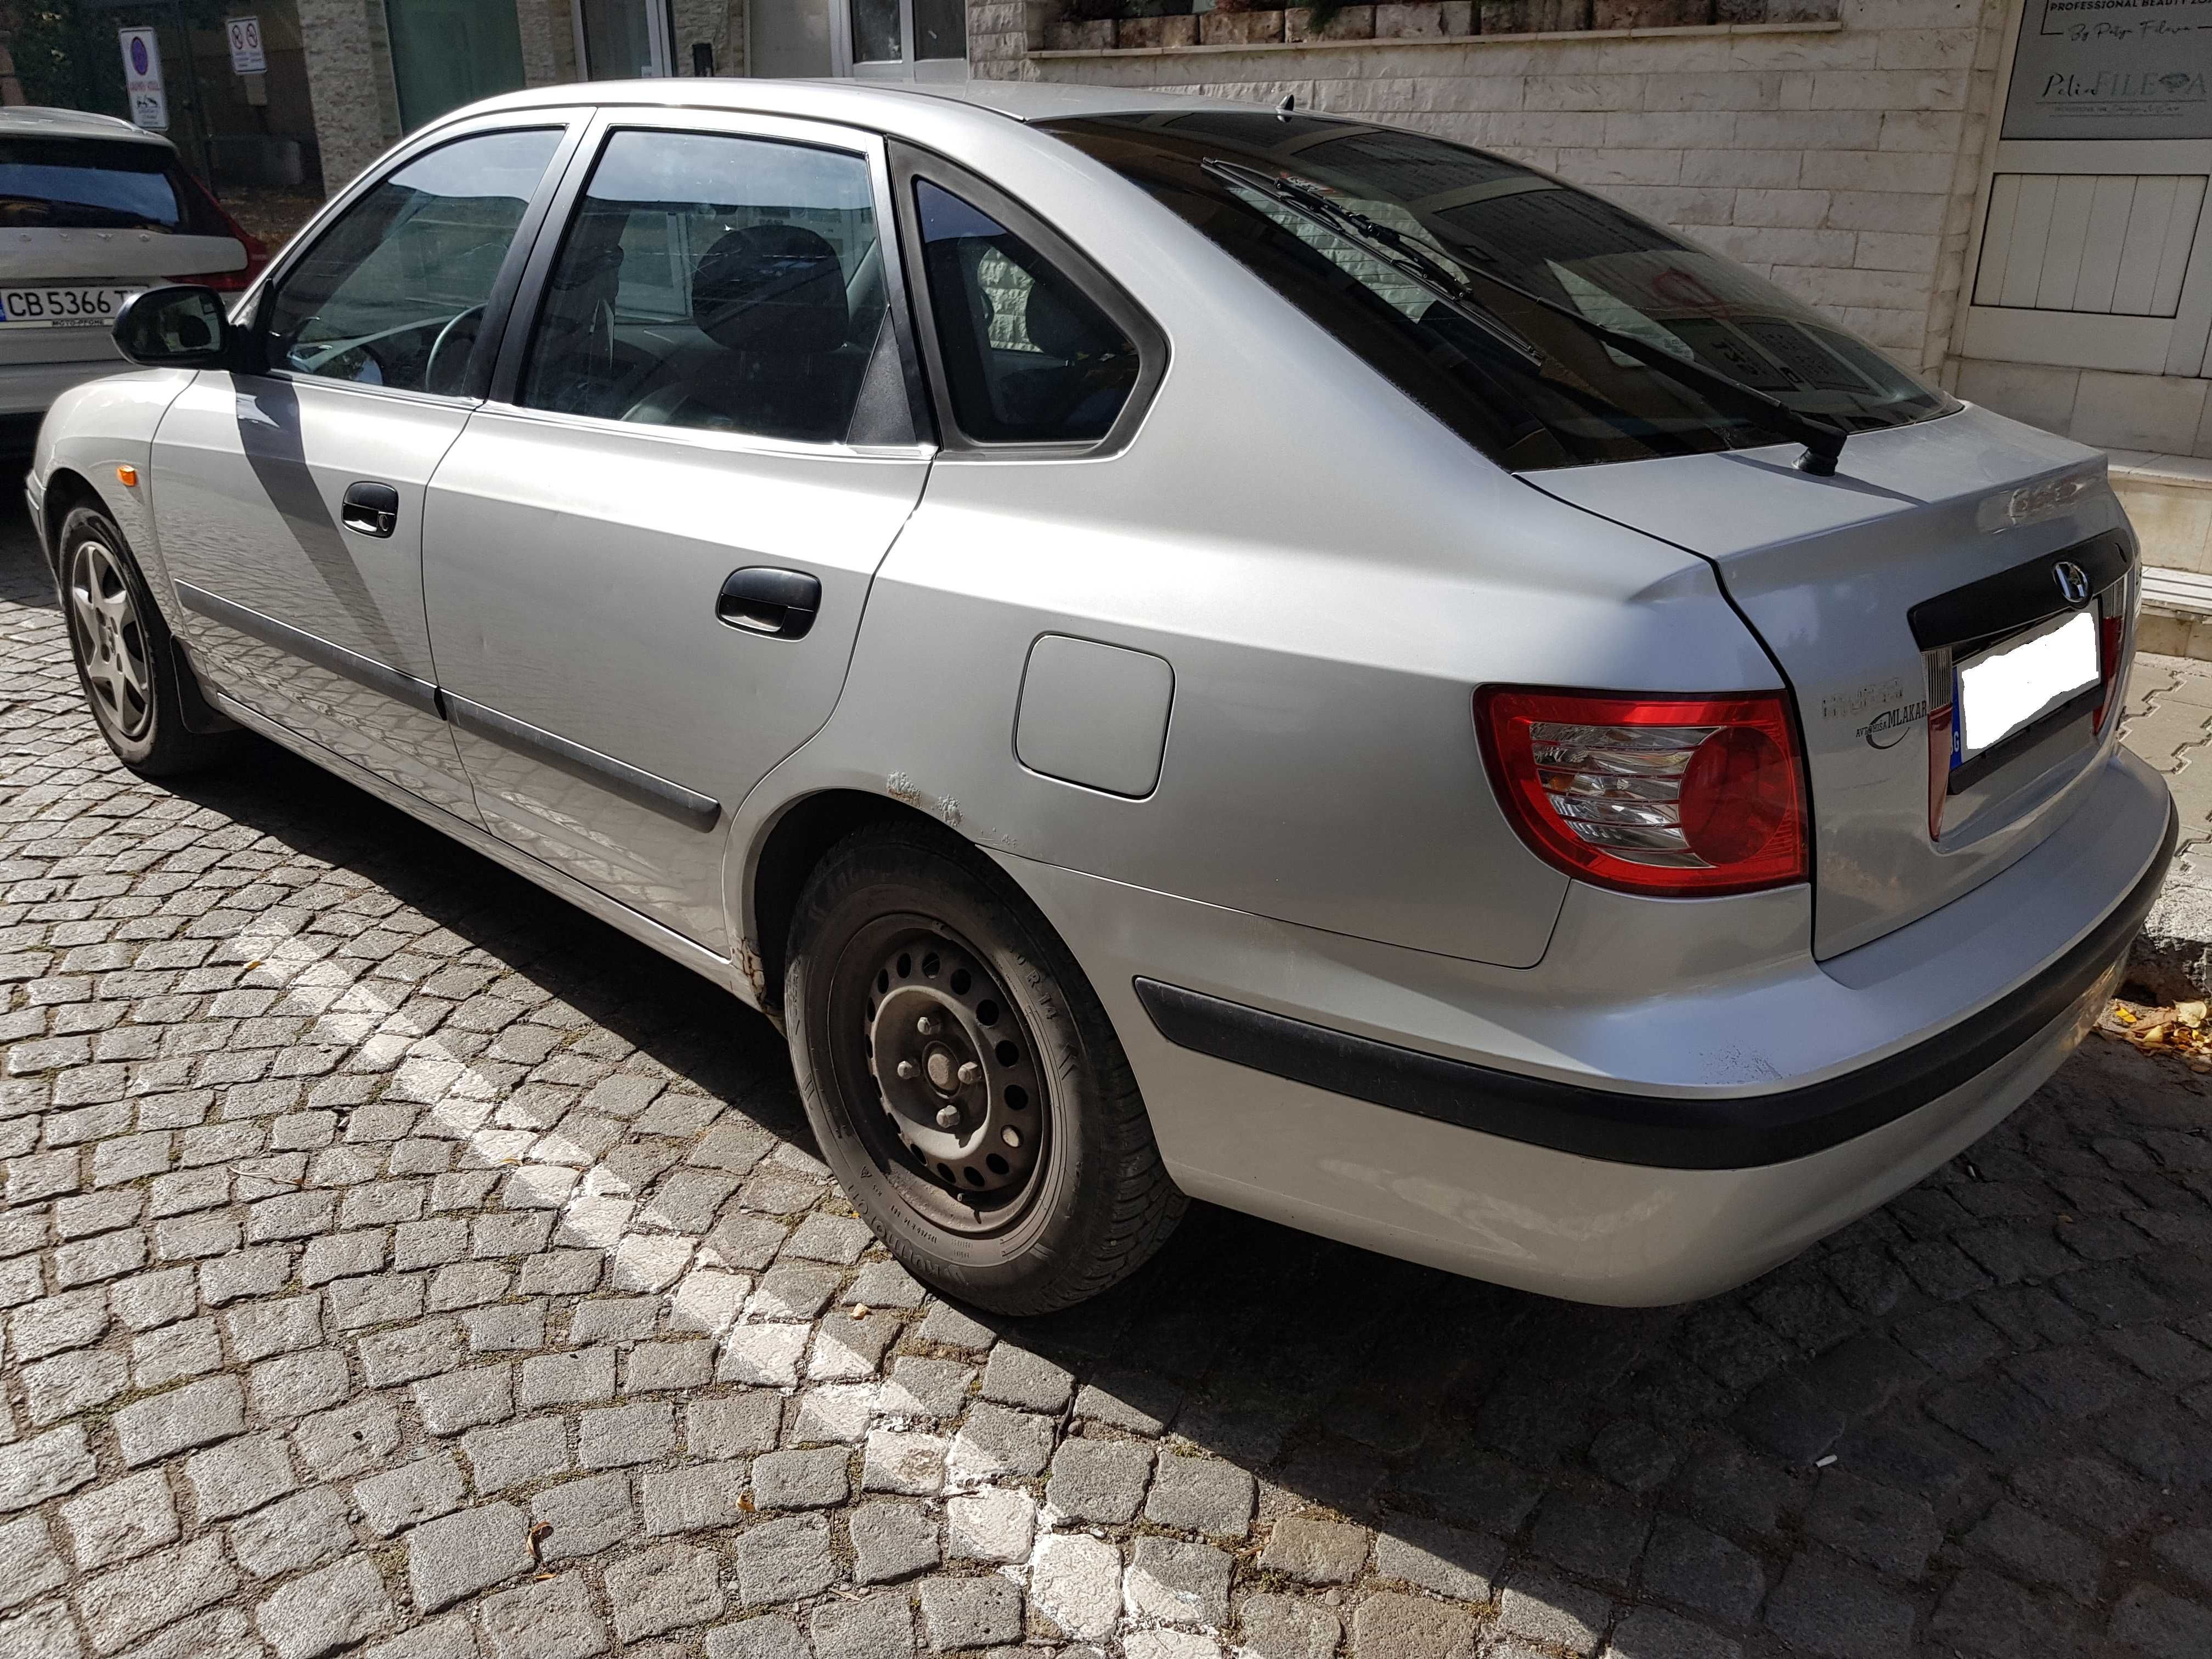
column 2109, row 630
column 1680, row 797
column 257, row 251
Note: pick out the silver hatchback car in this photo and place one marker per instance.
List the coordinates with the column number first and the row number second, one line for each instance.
column 1182, row 650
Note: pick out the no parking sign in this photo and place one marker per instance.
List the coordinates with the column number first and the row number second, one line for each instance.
column 141, row 80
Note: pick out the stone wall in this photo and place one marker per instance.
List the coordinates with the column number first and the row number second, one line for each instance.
column 349, row 80
column 1843, row 159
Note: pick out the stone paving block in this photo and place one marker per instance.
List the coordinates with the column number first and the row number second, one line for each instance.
column 460, row 1554
column 240, row 1475
column 43, row 1466
column 122, row 1519
column 1100, row 1480
column 297, row 1384
column 33, row 1565
column 785, row 1560
column 662, row 1588
column 765, row 1636
column 411, row 1494
column 1314, row 1551
column 568, row 1379
column 878, row 1626
column 801, row 1479
column 126, row 1604
column 1687, row 1564
column 970, row 1612
column 587, row 1516
column 1390, row 1625
column 516, row 1454
column 1836, row 1611
column 1205, row 1495
column 733, row 1425
column 766, row 1356
column 465, row 1399
column 996, row 1443
column 1648, row 1633
column 1288, row 1627
column 696, row 1498
column 552, row 1619
column 327, row 1610
column 1984, row 1613
column 2161, row 1624
column 1176, row 1584
column 196, row 1414
column 919, row 1387
column 304, row 1530
column 1076, row 1583
column 448, row 1638
column 625, row 1435
column 1445, row 1559
column 835, row 1411
column 652, row 1366
column 847, row 1348
column 996, row 1524
column 1014, row 1376
column 71, row 1383
column 897, row 1461
column 44, row 1631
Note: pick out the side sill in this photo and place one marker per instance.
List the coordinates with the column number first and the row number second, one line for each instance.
column 641, row 788
column 647, row 932
column 1655, row 1131
column 347, row 664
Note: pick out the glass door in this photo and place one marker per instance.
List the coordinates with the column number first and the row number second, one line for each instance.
column 906, row 39
column 621, row 39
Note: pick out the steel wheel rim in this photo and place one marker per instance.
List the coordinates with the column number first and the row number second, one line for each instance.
column 965, row 1150
column 110, row 639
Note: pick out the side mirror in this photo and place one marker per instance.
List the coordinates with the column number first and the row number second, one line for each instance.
column 180, row 326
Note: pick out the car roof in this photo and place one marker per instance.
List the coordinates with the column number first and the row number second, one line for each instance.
column 886, row 105
column 38, row 121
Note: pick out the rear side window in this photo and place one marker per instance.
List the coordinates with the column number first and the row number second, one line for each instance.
column 732, row 284
column 1028, row 357
column 86, row 184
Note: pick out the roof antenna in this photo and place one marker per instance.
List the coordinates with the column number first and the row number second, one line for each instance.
column 1283, row 110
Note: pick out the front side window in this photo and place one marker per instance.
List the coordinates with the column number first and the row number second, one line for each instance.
column 727, row 283
column 394, row 294
column 1461, row 277
column 1028, row 356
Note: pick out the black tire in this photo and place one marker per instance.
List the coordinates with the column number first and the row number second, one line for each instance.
column 1060, row 1190
column 126, row 664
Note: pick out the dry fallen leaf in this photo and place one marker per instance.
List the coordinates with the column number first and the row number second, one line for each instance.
column 2190, row 1014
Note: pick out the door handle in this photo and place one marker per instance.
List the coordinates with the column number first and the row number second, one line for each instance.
column 371, row 509
column 762, row 600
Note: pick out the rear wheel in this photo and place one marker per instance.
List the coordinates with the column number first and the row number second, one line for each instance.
column 963, row 1081
column 126, row 661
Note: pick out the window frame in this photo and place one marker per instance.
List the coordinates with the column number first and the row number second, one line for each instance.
column 910, row 164
column 253, row 310
column 528, row 312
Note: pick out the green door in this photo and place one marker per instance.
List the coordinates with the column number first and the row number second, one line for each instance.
column 446, row 53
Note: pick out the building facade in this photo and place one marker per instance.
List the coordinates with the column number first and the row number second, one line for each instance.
column 2007, row 195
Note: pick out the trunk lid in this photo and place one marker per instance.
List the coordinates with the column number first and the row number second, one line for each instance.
column 1840, row 577
column 46, row 258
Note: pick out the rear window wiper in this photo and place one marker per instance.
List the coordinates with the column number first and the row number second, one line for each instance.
column 1823, row 438
column 1361, row 233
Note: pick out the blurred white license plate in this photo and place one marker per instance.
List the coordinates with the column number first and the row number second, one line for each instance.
column 2015, row 683
column 65, row 304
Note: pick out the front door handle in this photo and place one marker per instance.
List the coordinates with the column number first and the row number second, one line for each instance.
column 762, row 600
column 371, row 509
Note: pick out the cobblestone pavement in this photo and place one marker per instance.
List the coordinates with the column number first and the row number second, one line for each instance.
column 396, row 1261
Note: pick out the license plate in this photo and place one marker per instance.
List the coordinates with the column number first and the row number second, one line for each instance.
column 2014, row 683
column 62, row 305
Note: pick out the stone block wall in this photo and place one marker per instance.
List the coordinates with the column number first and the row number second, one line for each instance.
column 356, row 103
column 1843, row 159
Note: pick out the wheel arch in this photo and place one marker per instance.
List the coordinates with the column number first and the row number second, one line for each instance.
column 67, row 490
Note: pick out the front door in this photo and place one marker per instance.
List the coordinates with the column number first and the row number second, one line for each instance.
column 648, row 552
column 291, row 500
column 906, row 39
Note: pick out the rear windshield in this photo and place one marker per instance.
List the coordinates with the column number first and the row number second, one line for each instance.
column 1453, row 226
column 86, row 184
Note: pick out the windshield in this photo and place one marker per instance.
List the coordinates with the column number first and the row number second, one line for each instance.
column 1411, row 298
column 86, row 184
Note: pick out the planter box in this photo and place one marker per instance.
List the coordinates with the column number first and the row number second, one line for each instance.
column 1163, row 31
column 1079, row 37
column 1534, row 16
column 1418, row 22
column 1240, row 29
column 1352, row 23
column 1649, row 14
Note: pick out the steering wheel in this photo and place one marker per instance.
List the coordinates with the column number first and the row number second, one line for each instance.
column 430, row 362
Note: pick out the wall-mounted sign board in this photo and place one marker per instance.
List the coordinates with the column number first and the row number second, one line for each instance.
column 2109, row 68
column 141, row 80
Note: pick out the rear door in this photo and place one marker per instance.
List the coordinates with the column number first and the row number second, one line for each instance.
column 289, row 501
column 646, row 554
column 1937, row 548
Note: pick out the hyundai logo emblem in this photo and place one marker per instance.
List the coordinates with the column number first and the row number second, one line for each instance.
column 2073, row 581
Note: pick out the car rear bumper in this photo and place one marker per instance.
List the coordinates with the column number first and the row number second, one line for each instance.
column 27, row 390
column 1594, row 1189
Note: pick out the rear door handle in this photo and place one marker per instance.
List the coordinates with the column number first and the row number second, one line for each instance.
column 762, row 600
column 371, row 509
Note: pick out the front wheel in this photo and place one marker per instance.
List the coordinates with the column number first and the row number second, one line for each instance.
column 963, row 1081
column 126, row 661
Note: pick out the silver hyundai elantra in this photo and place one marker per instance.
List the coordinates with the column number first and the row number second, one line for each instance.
column 1182, row 650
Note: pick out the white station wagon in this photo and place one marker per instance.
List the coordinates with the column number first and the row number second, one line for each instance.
column 1181, row 650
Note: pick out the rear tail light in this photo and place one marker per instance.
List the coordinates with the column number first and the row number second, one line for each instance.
column 2110, row 627
column 1675, row 796
column 257, row 251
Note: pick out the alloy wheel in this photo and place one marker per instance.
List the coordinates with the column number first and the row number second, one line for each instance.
column 110, row 639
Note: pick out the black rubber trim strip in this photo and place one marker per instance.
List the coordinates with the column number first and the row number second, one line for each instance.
column 2015, row 598
column 347, row 664
column 1654, row 1131
column 655, row 795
